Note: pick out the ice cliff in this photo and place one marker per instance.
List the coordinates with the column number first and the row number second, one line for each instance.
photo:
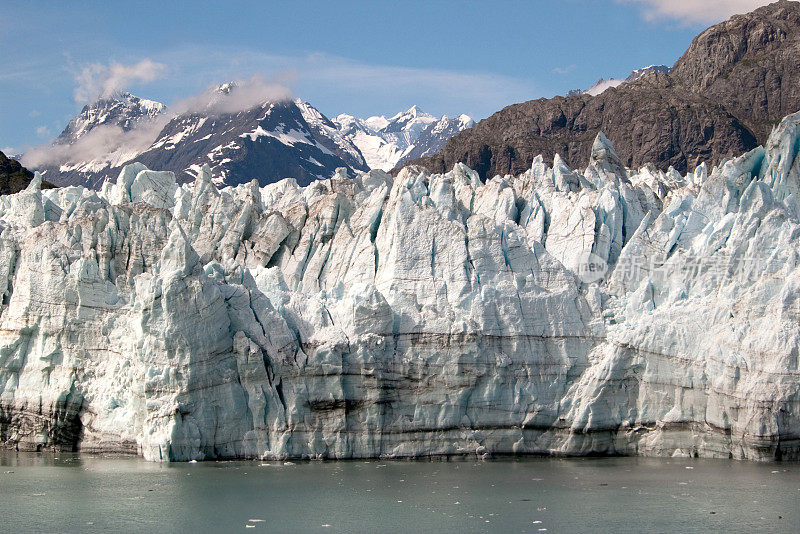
column 612, row 311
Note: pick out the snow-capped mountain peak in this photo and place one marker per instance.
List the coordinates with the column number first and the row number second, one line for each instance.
column 226, row 88
column 268, row 141
column 412, row 121
column 121, row 109
column 388, row 142
column 376, row 123
column 411, row 113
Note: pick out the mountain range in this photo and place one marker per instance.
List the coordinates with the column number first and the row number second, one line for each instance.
column 388, row 143
column 722, row 97
column 266, row 140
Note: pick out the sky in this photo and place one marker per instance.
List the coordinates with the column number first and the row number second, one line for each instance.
column 358, row 57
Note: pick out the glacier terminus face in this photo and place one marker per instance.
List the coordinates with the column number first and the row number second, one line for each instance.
column 610, row 311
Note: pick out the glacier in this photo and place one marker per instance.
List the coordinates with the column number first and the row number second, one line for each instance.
column 610, row 311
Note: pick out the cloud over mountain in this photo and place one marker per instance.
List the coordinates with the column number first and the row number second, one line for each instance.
column 695, row 11
column 99, row 80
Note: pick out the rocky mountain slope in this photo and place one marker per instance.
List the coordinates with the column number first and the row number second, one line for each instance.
column 557, row 312
column 14, row 177
column 268, row 140
column 388, row 143
column 723, row 96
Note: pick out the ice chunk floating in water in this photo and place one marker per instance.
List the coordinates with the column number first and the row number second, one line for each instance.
column 409, row 316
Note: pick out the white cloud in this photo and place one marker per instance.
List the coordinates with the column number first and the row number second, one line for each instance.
column 105, row 142
column 347, row 84
column 34, row 113
column 564, row 70
column 695, row 11
column 245, row 95
column 43, row 131
column 96, row 80
column 7, row 150
column 323, row 79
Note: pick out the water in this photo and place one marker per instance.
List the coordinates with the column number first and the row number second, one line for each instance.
column 82, row 493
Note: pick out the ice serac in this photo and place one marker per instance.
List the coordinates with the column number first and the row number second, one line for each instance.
column 418, row 315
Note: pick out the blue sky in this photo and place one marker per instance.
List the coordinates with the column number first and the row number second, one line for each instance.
column 363, row 58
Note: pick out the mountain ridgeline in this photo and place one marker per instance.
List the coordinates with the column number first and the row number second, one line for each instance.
column 267, row 141
column 735, row 82
column 388, row 143
column 263, row 139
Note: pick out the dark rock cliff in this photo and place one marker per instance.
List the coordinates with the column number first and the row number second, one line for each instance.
column 14, row 177
column 722, row 97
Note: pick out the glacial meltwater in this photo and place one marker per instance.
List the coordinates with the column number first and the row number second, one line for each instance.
column 47, row 492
